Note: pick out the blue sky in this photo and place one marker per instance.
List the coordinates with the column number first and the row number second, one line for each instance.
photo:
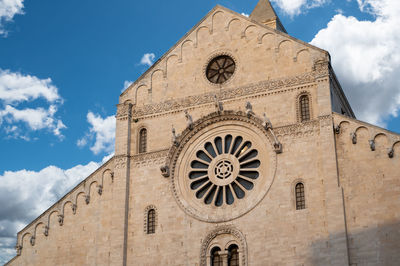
column 63, row 65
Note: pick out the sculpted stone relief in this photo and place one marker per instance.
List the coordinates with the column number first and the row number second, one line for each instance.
column 225, row 94
column 213, row 171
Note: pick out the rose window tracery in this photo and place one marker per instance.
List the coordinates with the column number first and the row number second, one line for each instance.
column 224, row 170
column 220, row 69
column 222, row 167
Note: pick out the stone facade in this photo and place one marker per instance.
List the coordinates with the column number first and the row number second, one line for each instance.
column 349, row 169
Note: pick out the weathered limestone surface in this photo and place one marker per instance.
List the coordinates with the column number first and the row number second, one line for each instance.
column 351, row 193
column 370, row 177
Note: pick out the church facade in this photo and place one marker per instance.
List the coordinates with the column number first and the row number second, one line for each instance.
column 237, row 147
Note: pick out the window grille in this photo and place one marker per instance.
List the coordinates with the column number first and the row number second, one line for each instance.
column 233, row 256
column 151, row 221
column 216, row 259
column 300, row 198
column 142, row 140
column 304, row 108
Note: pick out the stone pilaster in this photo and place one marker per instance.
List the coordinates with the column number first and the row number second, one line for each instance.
column 121, row 186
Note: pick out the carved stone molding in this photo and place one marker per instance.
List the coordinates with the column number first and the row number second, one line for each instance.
column 150, row 158
column 121, row 161
column 187, row 137
column 219, row 231
column 299, row 130
column 225, row 94
column 321, row 69
column 124, row 111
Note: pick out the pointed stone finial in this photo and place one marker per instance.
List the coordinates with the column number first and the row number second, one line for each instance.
column 265, row 14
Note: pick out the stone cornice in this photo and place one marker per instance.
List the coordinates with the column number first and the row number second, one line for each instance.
column 154, row 157
column 261, row 87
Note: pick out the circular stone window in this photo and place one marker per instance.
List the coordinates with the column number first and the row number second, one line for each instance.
column 220, row 69
column 223, row 169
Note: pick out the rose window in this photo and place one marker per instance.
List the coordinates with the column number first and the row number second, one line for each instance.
column 224, row 170
column 220, row 69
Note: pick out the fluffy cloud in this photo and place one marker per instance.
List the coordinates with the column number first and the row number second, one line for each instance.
column 15, row 87
column 366, row 57
column 8, row 9
column 26, row 194
column 127, row 83
column 148, row 59
column 101, row 132
column 295, row 7
column 16, row 90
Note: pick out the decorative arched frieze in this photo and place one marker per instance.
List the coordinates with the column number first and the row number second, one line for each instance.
column 236, row 238
column 377, row 137
column 197, row 33
column 280, row 43
column 146, row 92
column 213, row 19
column 228, row 25
column 167, row 63
column 154, row 72
column 56, row 213
column 306, row 50
column 188, row 41
column 261, row 37
column 244, row 34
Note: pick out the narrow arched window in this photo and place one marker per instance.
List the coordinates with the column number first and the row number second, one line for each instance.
column 142, row 140
column 216, row 259
column 300, row 198
column 233, row 255
column 304, row 108
column 151, row 221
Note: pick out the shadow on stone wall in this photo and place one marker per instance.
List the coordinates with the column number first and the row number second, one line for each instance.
column 369, row 245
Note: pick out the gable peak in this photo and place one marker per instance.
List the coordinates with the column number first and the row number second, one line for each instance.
column 265, row 14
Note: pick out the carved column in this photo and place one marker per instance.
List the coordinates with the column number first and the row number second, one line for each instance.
column 224, row 257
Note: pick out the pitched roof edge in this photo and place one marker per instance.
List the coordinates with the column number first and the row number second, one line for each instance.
column 197, row 24
column 65, row 196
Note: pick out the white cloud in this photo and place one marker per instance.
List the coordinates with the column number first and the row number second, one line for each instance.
column 26, row 194
column 244, row 14
column 127, row 83
column 366, row 57
column 148, row 59
column 8, row 9
column 16, row 90
column 15, row 87
column 102, row 131
column 295, row 7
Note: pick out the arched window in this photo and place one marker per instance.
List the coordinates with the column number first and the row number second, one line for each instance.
column 216, row 259
column 300, row 199
column 151, row 221
column 142, row 140
column 304, row 108
column 233, row 255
